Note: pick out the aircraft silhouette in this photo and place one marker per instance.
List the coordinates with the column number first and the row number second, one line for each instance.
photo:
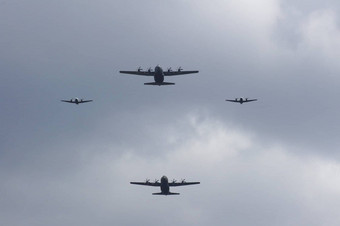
column 165, row 185
column 76, row 101
column 158, row 74
column 241, row 100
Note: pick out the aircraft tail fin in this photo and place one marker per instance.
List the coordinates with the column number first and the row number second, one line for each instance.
column 159, row 83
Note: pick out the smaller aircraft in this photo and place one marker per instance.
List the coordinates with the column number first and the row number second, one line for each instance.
column 76, row 101
column 165, row 185
column 241, row 100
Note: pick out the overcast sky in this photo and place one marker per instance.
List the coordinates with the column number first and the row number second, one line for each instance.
column 271, row 162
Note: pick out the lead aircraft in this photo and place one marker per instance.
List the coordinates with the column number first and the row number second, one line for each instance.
column 76, row 101
column 164, row 185
column 158, row 74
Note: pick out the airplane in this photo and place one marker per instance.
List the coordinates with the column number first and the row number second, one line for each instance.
column 76, row 101
column 158, row 74
column 241, row 100
column 165, row 185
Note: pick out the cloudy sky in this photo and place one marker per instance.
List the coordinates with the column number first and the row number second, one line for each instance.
column 271, row 162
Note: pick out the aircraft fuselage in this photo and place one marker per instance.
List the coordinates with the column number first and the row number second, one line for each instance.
column 165, row 185
column 159, row 75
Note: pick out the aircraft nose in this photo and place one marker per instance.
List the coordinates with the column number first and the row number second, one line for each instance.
column 158, row 68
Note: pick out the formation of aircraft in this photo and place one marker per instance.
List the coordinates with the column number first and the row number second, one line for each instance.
column 76, row 101
column 165, row 185
column 241, row 100
column 158, row 74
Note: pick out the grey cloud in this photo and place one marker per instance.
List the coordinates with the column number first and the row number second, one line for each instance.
column 71, row 164
column 242, row 182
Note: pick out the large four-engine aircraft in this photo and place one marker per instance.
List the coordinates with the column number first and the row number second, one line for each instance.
column 158, row 74
column 165, row 185
column 241, row 100
column 76, row 101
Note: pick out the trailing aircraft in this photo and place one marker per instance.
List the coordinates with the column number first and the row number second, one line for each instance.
column 76, row 101
column 158, row 74
column 165, row 185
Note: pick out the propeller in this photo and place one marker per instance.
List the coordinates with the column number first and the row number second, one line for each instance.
column 156, row 181
column 147, row 180
column 179, row 69
column 169, row 69
column 183, row 181
column 173, row 181
column 140, row 69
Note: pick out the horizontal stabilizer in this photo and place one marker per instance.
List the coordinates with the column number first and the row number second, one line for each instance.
column 159, row 83
column 170, row 193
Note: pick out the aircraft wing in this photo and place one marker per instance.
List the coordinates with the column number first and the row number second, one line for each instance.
column 143, row 73
column 250, row 100
column 85, row 101
column 233, row 101
column 172, row 73
column 68, row 101
column 155, row 184
column 175, row 184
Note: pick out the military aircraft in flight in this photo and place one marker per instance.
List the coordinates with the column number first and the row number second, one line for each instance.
column 158, row 74
column 165, row 185
column 241, row 100
column 76, row 101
